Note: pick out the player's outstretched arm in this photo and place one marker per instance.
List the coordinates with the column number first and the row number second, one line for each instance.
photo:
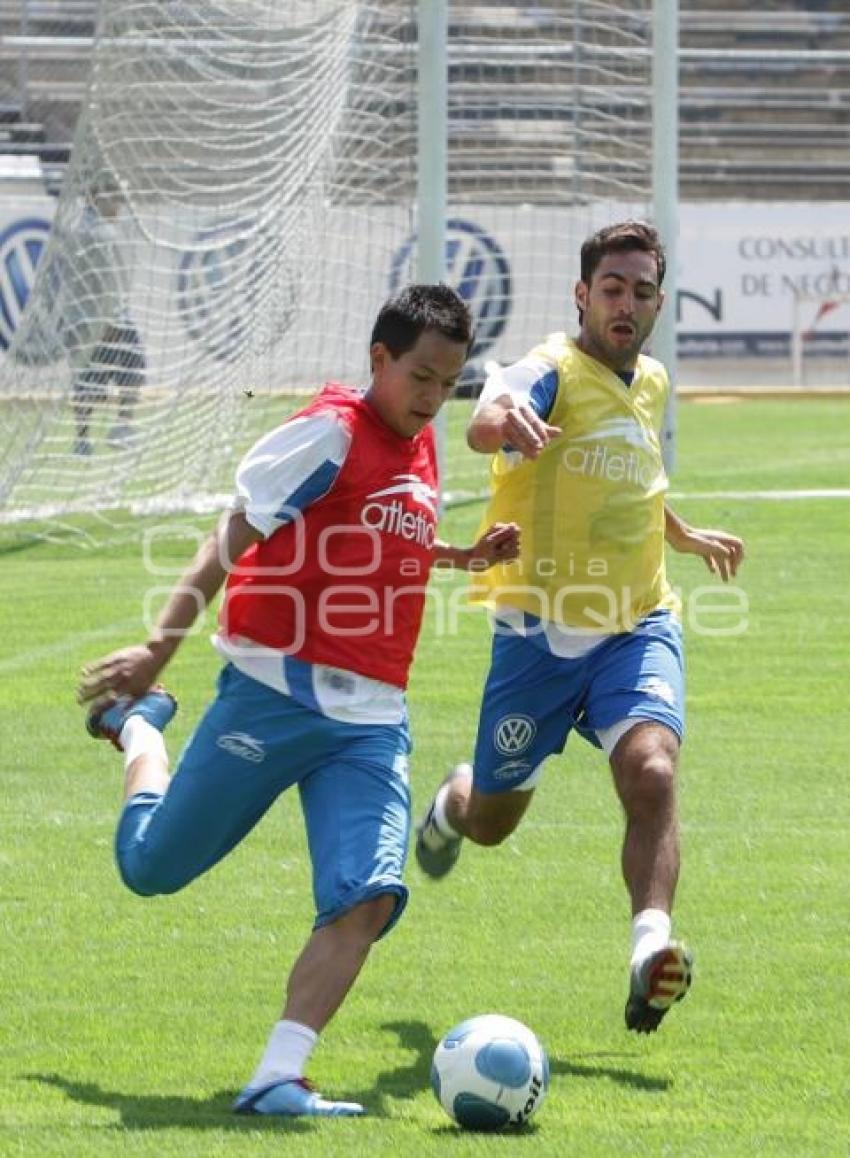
column 503, row 422
column 132, row 670
column 722, row 552
column 498, row 544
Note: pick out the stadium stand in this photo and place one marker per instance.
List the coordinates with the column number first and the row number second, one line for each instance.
column 765, row 95
column 44, row 60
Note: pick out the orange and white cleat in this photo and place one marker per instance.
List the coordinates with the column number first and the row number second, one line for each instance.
column 657, row 983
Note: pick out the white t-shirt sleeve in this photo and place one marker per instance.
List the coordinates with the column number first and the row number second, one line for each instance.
column 528, row 382
column 289, row 468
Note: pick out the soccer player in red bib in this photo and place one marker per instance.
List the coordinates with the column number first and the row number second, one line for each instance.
column 325, row 556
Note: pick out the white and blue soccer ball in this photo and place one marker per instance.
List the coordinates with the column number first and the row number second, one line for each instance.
column 490, row 1073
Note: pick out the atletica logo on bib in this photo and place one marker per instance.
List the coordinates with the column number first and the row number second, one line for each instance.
column 394, row 517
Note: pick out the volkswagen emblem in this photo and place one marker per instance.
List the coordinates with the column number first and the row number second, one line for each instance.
column 478, row 269
column 513, row 734
column 214, row 292
column 21, row 246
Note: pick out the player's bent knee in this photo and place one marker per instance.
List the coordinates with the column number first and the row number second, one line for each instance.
column 650, row 783
column 371, row 918
column 490, row 819
column 150, row 880
column 490, row 830
column 488, row 835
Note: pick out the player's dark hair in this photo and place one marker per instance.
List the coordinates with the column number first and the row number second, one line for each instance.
column 623, row 237
column 418, row 308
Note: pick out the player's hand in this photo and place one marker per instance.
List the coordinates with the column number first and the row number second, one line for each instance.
column 128, row 672
column 723, row 553
column 499, row 544
column 525, row 431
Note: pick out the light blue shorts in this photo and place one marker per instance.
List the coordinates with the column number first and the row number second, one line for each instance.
column 251, row 745
column 533, row 700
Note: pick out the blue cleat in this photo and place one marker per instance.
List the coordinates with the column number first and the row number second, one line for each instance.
column 656, row 984
column 436, row 853
column 292, row 1098
column 106, row 721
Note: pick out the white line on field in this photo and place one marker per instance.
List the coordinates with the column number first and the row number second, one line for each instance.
column 777, row 496
column 69, row 643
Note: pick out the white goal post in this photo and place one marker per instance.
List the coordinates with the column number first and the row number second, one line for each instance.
column 242, row 196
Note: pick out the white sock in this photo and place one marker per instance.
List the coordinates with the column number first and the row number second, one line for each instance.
column 440, row 818
column 290, row 1045
column 139, row 738
column 650, row 932
column 441, row 821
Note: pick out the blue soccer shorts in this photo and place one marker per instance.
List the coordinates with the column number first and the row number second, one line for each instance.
column 251, row 745
column 533, row 699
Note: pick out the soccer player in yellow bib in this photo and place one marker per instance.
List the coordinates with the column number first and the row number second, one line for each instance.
column 586, row 629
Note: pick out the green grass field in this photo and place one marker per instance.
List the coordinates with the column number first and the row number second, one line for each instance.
column 126, row 1025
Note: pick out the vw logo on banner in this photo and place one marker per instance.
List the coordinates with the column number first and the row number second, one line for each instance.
column 478, row 269
column 513, row 734
column 21, row 246
column 216, row 289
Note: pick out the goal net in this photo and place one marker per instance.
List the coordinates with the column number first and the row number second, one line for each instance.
column 241, row 199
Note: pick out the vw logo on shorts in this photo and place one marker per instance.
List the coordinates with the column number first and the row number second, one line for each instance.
column 478, row 269
column 21, row 246
column 513, row 734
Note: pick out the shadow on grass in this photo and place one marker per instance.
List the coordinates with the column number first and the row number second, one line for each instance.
column 625, row 1077
column 164, row 1112
column 156, row 1112
column 9, row 546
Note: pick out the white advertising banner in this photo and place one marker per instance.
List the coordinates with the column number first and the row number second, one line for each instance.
column 746, row 265
column 744, row 268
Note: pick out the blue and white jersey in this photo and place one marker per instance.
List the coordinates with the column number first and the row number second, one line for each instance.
column 289, row 468
column 281, row 475
column 532, row 381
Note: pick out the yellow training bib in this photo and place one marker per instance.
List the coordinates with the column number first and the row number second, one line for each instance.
column 591, row 507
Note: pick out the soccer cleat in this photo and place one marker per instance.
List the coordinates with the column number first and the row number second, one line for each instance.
column 436, row 853
column 157, row 706
column 83, row 447
column 292, row 1098
column 657, row 983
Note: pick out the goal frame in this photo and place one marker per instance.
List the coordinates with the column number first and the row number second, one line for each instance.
column 432, row 188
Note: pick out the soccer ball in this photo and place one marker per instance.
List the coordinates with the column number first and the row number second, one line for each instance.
column 490, row 1072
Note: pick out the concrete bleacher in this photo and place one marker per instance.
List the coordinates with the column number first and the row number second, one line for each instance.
column 765, row 100
column 45, row 51
column 764, row 108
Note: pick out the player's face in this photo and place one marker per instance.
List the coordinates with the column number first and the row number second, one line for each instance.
column 408, row 391
column 620, row 306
